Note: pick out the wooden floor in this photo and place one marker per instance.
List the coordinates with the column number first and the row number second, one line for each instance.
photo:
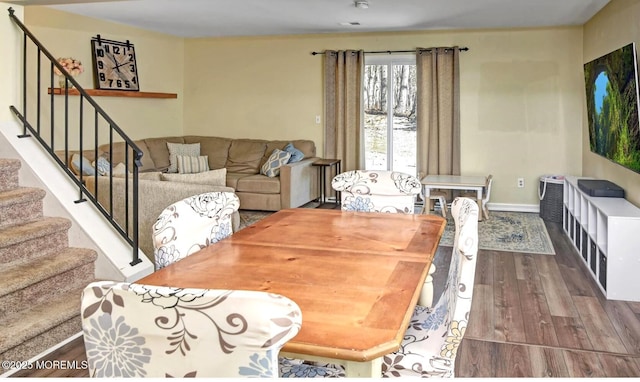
column 532, row 316
column 544, row 316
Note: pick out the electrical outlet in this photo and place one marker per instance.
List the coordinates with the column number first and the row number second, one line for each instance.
column 520, row 182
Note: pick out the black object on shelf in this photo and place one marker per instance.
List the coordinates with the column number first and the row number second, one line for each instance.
column 600, row 188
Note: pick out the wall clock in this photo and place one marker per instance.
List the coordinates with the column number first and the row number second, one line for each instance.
column 114, row 65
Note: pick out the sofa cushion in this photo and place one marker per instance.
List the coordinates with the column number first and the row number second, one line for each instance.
column 259, row 184
column 175, row 149
column 307, row 147
column 213, row 177
column 272, row 166
column 192, row 165
column 89, row 154
column 159, row 151
column 216, row 148
column 245, row 156
column 117, row 155
column 233, row 177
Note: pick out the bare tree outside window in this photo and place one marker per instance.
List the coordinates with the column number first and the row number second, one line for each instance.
column 390, row 117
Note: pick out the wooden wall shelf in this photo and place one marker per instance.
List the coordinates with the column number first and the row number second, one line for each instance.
column 113, row 93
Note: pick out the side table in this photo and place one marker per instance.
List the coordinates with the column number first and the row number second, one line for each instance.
column 325, row 164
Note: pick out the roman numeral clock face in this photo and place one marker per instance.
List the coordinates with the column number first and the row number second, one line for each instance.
column 114, row 65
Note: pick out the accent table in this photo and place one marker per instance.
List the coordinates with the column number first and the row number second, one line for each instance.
column 453, row 182
column 325, row 164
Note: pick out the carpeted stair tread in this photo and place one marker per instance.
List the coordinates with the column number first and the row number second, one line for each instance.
column 21, row 195
column 40, row 238
column 9, row 173
column 32, row 230
column 30, row 323
column 20, row 205
column 42, row 277
column 22, row 275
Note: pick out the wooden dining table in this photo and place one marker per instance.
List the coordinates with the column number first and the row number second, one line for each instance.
column 356, row 276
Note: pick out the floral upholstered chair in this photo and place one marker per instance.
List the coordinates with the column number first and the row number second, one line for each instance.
column 431, row 342
column 135, row 330
column 377, row 191
column 191, row 224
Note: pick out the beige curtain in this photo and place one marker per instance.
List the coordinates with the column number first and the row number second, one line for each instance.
column 343, row 100
column 438, row 111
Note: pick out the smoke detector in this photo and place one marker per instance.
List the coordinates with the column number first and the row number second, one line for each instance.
column 362, row 4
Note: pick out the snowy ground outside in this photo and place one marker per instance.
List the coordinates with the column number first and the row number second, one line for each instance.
column 404, row 143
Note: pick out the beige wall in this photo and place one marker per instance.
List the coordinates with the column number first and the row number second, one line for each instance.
column 9, row 46
column 613, row 27
column 522, row 91
column 521, row 95
column 160, row 61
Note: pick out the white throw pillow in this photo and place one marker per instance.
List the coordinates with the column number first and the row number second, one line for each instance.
column 214, row 177
column 175, row 149
column 119, row 170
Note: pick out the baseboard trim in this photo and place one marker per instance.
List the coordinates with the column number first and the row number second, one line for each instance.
column 534, row 208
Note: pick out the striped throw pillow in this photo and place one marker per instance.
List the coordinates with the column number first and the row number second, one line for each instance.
column 192, row 165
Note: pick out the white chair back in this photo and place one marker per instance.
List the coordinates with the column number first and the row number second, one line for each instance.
column 486, row 195
column 191, row 224
column 487, row 192
column 135, row 330
column 377, row 191
column 431, row 342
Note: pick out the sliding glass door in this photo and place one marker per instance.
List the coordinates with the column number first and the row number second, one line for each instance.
column 389, row 107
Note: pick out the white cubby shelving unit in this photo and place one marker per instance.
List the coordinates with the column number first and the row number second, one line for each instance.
column 606, row 234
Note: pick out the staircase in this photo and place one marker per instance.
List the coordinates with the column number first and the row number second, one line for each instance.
column 41, row 277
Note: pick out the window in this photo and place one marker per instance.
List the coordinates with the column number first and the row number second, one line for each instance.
column 389, row 107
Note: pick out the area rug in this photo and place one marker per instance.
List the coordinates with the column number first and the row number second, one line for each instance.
column 508, row 231
column 249, row 217
column 503, row 231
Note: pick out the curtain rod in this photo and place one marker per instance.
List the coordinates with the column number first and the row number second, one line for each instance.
column 392, row 51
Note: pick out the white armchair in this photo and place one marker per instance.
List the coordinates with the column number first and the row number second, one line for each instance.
column 191, row 224
column 135, row 330
column 432, row 339
column 377, row 191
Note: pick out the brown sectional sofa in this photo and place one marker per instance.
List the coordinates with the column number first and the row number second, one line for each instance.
column 296, row 185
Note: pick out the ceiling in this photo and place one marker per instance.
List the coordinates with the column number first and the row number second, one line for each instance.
column 211, row 18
